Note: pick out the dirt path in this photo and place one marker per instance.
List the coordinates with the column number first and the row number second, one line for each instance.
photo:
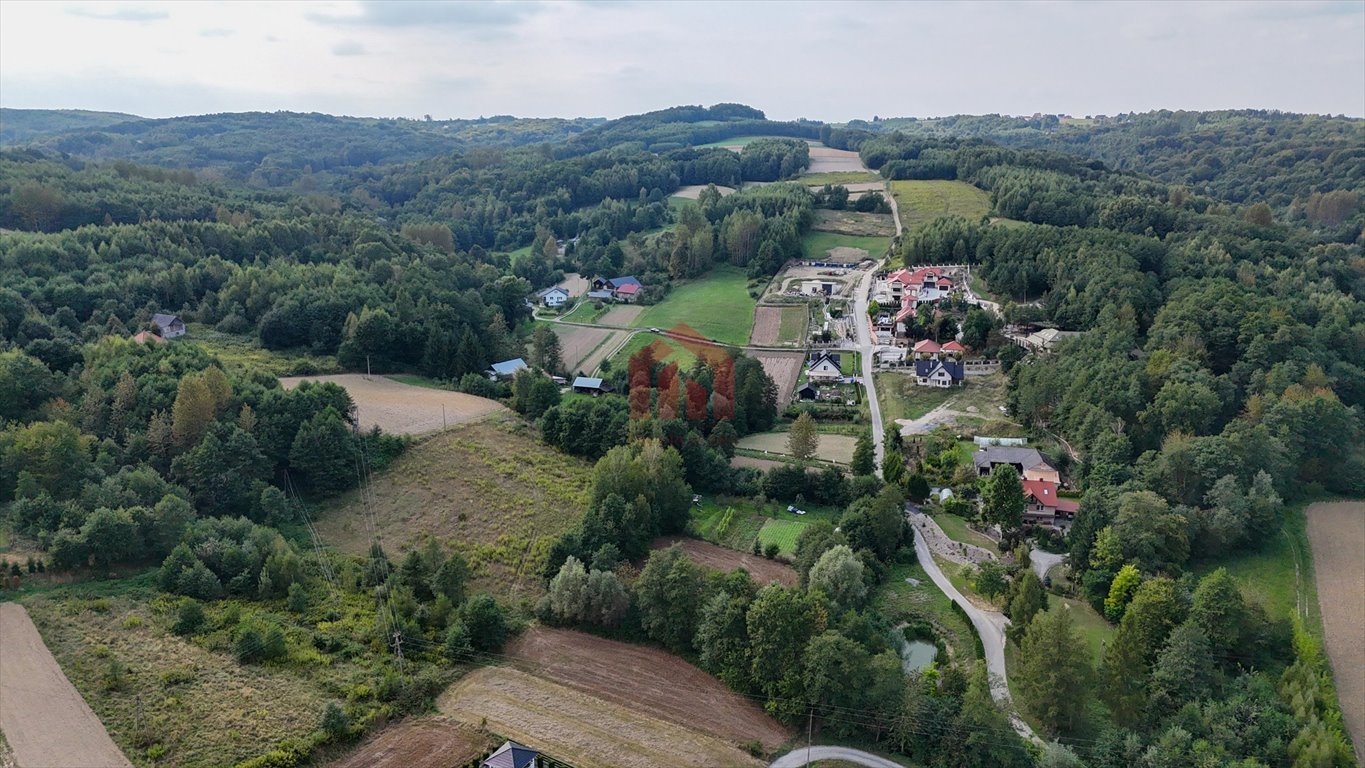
column 942, row 415
column 44, row 718
column 1336, row 533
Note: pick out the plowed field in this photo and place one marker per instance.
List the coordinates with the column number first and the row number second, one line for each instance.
column 719, row 558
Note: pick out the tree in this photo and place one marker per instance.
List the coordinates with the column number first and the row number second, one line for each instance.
column 722, row 639
column 111, row 535
column 1002, row 498
column 53, row 453
column 1183, row 671
column 669, row 592
column 1121, row 591
column 457, row 647
column 1219, row 610
column 485, row 623
column 545, row 350
column 1029, row 599
column 780, row 623
column 569, row 591
column 334, row 721
column 837, row 677
column 803, row 440
column 864, row 457
column 194, row 409
column 450, row 577
column 989, row 579
column 1054, row 672
column 1154, row 611
column 839, row 574
column 325, row 452
column 189, row 617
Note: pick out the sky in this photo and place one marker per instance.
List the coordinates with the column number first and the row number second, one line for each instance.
column 830, row 61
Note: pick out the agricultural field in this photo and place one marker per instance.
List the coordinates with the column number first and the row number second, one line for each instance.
column 645, row 680
column 623, row 315
column 783, row 368
column 577, row 344
column 816, row 246
column 580, row 729
column 665, row 350
column 693, row 191
column 717, row 306
column 840, row 178
column 854, row 223
column 586, row 312
column 779, row 325
column 736, row 142
column 724, row 559
column 236, row 351
column 909, row 594
column 828, row 160
column 921, row 201
column 421, row 742
column 1336, row 531
column 833, row 448
column 490, row 489
column 575, row 284
column 404, row 409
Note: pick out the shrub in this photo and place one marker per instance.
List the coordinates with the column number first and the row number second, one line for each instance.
column 335, row 723
column 771, row 551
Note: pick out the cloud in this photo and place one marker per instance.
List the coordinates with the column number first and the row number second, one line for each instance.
column 428, row 13
column 348, row 48
column 119, row 14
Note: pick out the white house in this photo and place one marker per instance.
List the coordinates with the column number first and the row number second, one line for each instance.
column 553, row 297
column 824, row 367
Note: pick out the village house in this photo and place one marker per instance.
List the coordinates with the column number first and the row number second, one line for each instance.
column 168, row 326
column 1045, row 340
column 1028, row 462
column 1044, row 507
column 824, row 367
column 587, row 385
column 909, row 290
column 506, row 369
column 939, row 366
column 512, row 755
column 553, row 297
column 147, row 337
column 624, row 289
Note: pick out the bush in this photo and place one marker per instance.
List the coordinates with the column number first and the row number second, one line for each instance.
column 771, row 551
column 335, row 723
column 482, row 386
column 484, row 619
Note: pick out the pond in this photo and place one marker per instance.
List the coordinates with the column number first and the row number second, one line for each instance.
column 916, row 655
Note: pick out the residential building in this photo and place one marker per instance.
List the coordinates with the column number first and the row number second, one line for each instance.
column 512, row 755
column 553, row 297
column 938, row 366
column 587, row 385
column 626, row 292
column 506, row 369
column 1028, row 462
column 1044, row 506
column 1044, row 340
column 824, row 367
column 168, row 326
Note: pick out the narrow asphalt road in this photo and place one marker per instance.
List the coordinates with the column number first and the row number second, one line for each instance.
column 799, row 757
column 865, row 347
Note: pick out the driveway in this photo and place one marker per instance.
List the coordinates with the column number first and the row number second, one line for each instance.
column 1043, row 561
column 799, row 757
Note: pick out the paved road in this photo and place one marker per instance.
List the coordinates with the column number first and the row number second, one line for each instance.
column 865, row 347
column 797, row 758
column 1042, row 561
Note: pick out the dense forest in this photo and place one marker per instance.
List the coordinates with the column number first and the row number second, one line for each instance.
column 1217, row 377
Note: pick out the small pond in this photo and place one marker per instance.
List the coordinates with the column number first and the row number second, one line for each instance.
column 916, row 655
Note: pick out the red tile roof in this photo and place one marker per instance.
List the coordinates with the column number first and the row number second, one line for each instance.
column 147, row 336
column 628, row 288
column 927, row 345
column 1045, row 493
column 953, row 346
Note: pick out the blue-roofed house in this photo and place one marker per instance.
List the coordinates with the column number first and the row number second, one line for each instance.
column 512, row 755
column 587, row 385
column 507, row 369
column 168, row 326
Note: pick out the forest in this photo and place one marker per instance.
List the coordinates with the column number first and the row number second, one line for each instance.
column 1217, row 379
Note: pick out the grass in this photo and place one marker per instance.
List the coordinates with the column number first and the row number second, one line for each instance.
column 901, row 398
column 898, row 600
column 678, row 353
column 783, row 533
column 514, row 256
column 957, row 529
column 816, row 245
column 921, row 201
column 245, row 352
column 414, row 380
column 792, row 327
column 749, row 521
column 839, row 177
column 677, row 203
column 738, row 141
column 717, row 306
column 1280, row 575
column 1096, row 632
column 587, row 312
column 854, row 224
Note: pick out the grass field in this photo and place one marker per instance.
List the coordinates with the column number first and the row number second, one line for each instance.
column 587, row 312
column 737, row 141
column 835, row 448
column 244, row 352
column 956, row 529
column 783, row 533
column 793, row 327
column 901, row 398
column 677, row 352
column 854, row 223
column 717, row 306
column 899, row 600
column 1280, row 575
column 815, row 245
column 921, row 201
column 747, row 522
column 839, row 177
column 491, row 489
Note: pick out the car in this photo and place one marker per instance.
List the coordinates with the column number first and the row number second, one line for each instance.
column 800, row 511
column 791, row 508
column 655, row 330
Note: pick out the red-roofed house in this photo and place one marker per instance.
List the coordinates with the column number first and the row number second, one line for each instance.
column 627, row 292
column 147, row 337
column 1044, row 506
column 953, row 347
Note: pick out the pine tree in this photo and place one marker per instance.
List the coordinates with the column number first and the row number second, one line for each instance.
column 1055, row 673
column 803, row 440
column 864, row 456
column 545, row 350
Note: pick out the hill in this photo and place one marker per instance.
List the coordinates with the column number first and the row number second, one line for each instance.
column 22, row 125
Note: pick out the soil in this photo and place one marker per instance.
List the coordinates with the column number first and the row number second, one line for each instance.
column 783, row 368
column 423, row 742
column 579, row 729
column 576, row 343
column 825, row 159
column 767, row 324
column 693, row 191
column 403, row 409
column 575, row 284
column 44, row 718
column 1336, row 532
column 719, row 558
column 621, row 315
column 762, row 465
column 648, row 681
column 594, row 360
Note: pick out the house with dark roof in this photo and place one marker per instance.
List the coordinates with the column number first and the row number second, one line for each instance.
column 587, row 385
column 506, row 369
column 512, row 755
column 807, row 391
column 939, row 366
column 824, row 367
column 1028, row 462
column 168, row 326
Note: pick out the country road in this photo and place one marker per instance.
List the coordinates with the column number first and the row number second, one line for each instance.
column 799, row 757
column 866, row 347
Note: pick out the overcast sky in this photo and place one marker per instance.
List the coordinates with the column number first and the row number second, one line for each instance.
column 822, row 60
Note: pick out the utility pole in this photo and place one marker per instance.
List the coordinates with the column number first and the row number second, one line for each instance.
column 398, row 649
column 367, row 367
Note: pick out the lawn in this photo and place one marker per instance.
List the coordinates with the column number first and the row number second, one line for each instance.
column 816, row 245
column 957, row 529
column 921, row 201
column 1280, row 575
column 747, row 521
column 783, row 533
column 899, row 600
column 839, row 177
column 677, row 352
column 901, row 398
column 587, row 312
column 717, row 306
column 244, row 352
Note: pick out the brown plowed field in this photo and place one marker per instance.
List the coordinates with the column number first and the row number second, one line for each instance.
column 784, row 368
column 767, row 324
column 621, row 315
column 582, row 730
column 403, row 409
column 576, row 343
column 1336, row 532
column 648, row 681
column 43, row 716
column 720, row 558
column 824, row 159
column 423, row 742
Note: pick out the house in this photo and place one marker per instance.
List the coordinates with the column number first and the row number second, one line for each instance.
column 553, row 297
column 923, row 284
column 168, row 326
column 1028, row 462
column 626, row 292
column 586, row 385
column 938, row 366
column 506, row 369
column 824, row 367
column 887, row 357
column 512, row 755
column 1043, row 505
column 1045, row 340
column 599, row 295
column 147, row 337
column 807, row 391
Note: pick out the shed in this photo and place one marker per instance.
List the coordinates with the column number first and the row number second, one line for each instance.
column 507, row 368
column 168, row 326
column 588, row 385
column 807, row 391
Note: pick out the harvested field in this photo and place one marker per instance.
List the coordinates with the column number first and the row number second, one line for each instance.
column 1336, row 533
column 836, row 448
column 403, row 409
column 854, row 223
column 575, row 284
column 593, row 361
column 762, row 465
column 784, row 368
column 579, row 729
column 491, row 489
column 621, row 315
column 693, row 191
column 423, row 742
column 646, row 680
column 718, row 558
column 826, row 160
column 778, row 325
column 578, row 343
column 43, row 716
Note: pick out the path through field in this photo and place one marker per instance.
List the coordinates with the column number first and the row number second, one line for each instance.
column 1336, row 533
column 43, row 717
column 404, row 409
